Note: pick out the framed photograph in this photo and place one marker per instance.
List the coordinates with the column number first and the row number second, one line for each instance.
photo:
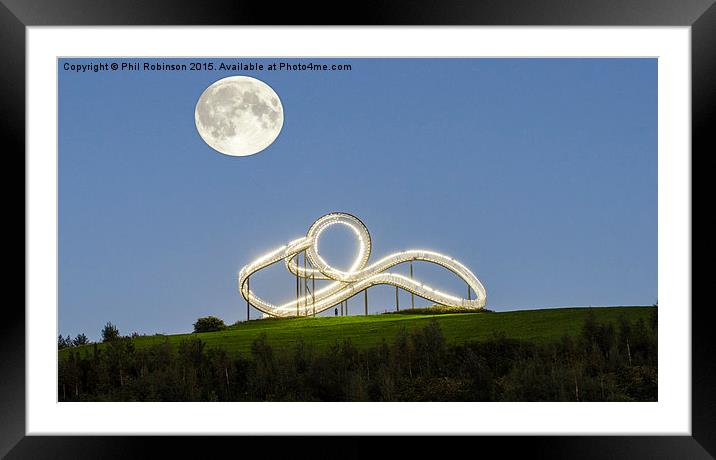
column 435, row 220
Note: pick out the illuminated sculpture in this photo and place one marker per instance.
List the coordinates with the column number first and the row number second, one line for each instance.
column 357, row 278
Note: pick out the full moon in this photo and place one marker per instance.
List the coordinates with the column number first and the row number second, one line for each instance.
column 239, row 116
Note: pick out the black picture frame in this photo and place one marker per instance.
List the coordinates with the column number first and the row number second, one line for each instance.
column 16, row 15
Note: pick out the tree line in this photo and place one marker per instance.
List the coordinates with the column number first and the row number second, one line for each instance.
column 111, row 332
column 603, row 362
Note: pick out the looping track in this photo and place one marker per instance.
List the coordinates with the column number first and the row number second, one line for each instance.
column 357, row 278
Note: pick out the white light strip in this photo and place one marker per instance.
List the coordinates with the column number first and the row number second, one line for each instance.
column 358, row 278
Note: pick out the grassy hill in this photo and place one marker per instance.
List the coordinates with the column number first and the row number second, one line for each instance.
column 538, row 326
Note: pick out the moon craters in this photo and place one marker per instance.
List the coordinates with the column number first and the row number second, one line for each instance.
column 239, row 116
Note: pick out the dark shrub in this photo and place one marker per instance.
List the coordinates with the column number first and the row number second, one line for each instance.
column 109, row 332
column 209, row 324
column 81, row 339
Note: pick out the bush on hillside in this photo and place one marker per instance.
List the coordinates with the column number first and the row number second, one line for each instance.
column 81, row 339
column 209, row 324
column 110, row 332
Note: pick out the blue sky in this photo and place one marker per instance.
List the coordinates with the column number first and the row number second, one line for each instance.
column 538, row 174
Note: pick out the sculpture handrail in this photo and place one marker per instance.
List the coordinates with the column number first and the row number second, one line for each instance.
column 358, row 277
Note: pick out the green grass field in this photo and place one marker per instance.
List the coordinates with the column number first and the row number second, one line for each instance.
column 540, row 326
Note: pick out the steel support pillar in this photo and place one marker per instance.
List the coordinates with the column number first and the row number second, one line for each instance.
column 412, row 296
